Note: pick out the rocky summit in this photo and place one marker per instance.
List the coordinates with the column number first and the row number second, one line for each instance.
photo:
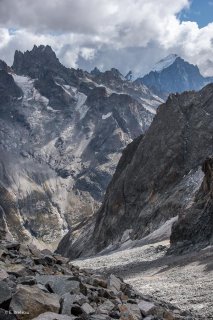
column 62, row 132
column 174, row 74
column 40, row 285
column 157, row 176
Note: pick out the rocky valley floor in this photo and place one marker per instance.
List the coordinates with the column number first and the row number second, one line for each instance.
column 186, row 281
column 40, row 285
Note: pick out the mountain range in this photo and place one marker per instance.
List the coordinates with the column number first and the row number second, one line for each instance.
column 114, row 171
column 62, row 134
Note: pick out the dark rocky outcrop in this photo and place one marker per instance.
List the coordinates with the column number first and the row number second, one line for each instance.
column 33, row 63
column 40, row 60
column 156, row 177
column 9, row 91
column 51, row 89
column 178, row 77
column 4, row 66
column 195, row 225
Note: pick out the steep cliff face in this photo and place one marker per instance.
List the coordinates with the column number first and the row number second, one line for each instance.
column 195, row 225
column 157, row 175
column 173, row 74
column 9, row 91
column 62, row 132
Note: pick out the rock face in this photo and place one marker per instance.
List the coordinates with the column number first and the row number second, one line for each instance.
column 62, row 134
column 4, row 66
column 195, row 225
column 38, row 293
column 9, row 91
column 157, row 175
column 173, row 74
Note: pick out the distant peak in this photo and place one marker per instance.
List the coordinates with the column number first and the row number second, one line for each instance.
column 115, row 73
column 43, row 49
column 165, row 63
column 31, row 61
column 95, row 71
column 129, row 76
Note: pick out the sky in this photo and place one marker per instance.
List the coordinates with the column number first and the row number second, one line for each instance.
column 125, row 34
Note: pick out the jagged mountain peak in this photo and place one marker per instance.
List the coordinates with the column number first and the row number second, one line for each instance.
column 37, row 51
column 173, row 74
column 95, row 71
column 165, row 62
column 43, row 48
column 129, row 76
column 30, row 62
column 111, row 74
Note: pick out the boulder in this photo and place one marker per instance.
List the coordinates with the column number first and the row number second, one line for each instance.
column 134, row 310
column 30, row 302
column 17, row 270
column 88, row 309
column 5, row 294
column 61, row 286
column 146, row 307
column 3, row 274
column 67, row 300
column 53, row 316
column 114, row 283
column 106, row 307
column 125, row 313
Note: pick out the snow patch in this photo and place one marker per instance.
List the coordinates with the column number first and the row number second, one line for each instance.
column 64, row 87
column 105, row 116
column 165, row 63
column 81, row 99
column 146, row 106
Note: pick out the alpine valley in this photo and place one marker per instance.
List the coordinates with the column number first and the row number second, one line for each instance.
column 113, row 173
column 62, row 134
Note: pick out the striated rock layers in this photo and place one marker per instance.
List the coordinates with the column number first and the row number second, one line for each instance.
column 157, row 176
column 62, row 132
column 195, row 225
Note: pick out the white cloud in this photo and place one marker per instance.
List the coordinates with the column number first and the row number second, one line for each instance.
column 122, row 33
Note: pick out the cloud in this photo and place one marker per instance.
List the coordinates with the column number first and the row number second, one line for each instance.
column 128, row 34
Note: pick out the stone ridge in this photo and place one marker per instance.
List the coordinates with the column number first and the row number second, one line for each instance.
column 194, row 228
column 40, row 285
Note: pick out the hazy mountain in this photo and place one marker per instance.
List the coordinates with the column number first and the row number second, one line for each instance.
column 173, row 74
